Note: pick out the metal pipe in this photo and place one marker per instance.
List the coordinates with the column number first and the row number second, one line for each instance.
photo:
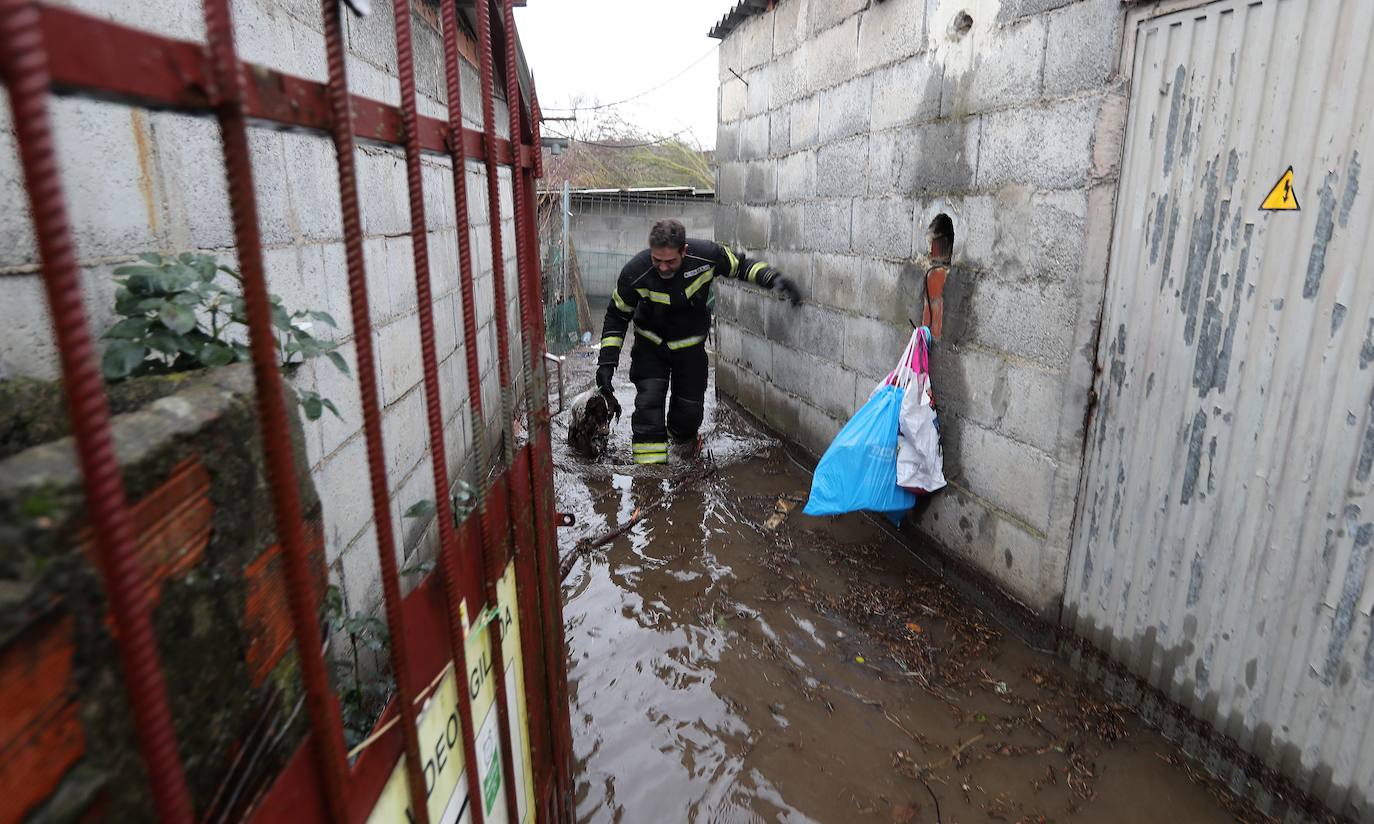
column 227, row 97
column 24, row 67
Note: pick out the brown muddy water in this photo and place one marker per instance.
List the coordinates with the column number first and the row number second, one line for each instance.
column 721, row 671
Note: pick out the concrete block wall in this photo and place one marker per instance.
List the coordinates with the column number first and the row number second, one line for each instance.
column 138, row 181
column 607, row 231
column 879, row 117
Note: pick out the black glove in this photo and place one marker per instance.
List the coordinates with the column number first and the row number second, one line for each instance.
column 787, row 289
column 604, row 374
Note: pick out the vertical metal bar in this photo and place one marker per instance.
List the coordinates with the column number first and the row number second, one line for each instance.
column 502, row 345
column 541, row 464
column 342, row 132
column 551, row 592
column 449, row 567
column 24, row 67
column 325, row 722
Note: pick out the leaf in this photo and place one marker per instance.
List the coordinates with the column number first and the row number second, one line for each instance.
column 324, row 317
column 338, row 360
column 150, row 257
column 145, row 283
column 165, row 342
column 313, row 406
column 215, row 353
column 177, row 318
column 280, row 319
column 129, row 328
column 423, row 508
column 206, row 267
column 188, row 299
column 328, row 404
column 122, row 358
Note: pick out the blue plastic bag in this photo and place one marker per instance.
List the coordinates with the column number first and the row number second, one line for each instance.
column 859, row 470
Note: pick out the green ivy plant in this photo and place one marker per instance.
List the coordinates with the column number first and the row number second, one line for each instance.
column 187, row 312
column 361, row 699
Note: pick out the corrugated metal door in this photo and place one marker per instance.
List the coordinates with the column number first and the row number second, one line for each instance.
column 1222, row 549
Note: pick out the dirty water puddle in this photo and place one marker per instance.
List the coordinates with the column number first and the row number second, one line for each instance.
column 723, row 670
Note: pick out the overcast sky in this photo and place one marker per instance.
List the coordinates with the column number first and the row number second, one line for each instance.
column 609, row 50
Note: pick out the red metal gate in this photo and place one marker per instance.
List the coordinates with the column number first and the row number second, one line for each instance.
column 46, row 50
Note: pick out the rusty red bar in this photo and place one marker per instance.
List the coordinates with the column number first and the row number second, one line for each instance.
column 541, row 471
column 536, row 400
column 227, row 97
column 484, row 49
column 450, row 566
column 367, row 387
column 24, row 66
column 95, row 57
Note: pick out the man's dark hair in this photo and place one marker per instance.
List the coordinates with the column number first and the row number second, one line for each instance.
column 668, row 232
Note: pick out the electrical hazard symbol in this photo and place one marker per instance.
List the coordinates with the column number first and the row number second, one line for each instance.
column 1282, row 198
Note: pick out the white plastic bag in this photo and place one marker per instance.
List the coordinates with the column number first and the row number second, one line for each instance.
column 920, row 461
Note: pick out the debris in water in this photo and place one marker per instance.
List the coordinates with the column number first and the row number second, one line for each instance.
column 784, row 505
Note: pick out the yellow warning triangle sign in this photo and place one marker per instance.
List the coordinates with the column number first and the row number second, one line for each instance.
column 1282, row 198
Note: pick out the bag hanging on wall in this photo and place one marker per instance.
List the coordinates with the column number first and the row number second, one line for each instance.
column 920, row 460
column 859, row 468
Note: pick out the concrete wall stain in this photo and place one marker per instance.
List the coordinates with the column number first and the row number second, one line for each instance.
column 1351, row 589
column 1199, row 251
column 1352, row 188
column 1194, row 462
column 1171, row 131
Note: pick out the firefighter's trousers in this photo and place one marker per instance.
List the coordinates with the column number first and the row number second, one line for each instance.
column 666, row 378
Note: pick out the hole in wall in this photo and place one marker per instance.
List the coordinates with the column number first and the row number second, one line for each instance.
column 940, row 236
column 961, row 25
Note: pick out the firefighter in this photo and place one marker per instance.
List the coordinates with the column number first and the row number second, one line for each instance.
column 666, row 291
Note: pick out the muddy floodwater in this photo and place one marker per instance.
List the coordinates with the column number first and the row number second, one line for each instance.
column 724, row 671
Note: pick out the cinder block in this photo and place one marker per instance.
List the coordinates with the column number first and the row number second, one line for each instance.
column 373, row 38
column 797, row 176
column 881, row 227
column 1013, row 9
column 109, row 180
column 750, row 391
column 817, row 428
column 789, row 79
column 906, row 92
column 789, row 25
column 846, row 109
column 873, row 347
column 756, row 34
column 782, row 409
column 727, row 294
column 727, row 141
column 367, row 80
column 1017, row 566
column 1033, row 404
column 429, row 62
column 962, row 525
column 726, row 223
column 403, row 426
column 17, row 244
column 262, row 35
column 1039, row 235
column 814, row 330
column 823, row 14
column 756, row 353
column 753, row 227
column 970, row 383
column 362, row 574
column 727, row 378
column 891, row 31
column 1006, row 71
column 1015, row 478
column 787, row 226
column 757, row 92
column 314, row 180
column 936, row 157
column 805, row 117
column 827, row 224
column 344, row 492
column 832, row 57
column 400, row 276
column 343, row 391
column 761, row 181
column 1032, row 321
column 728, row 57
column 417, row 486
column 795, row 265
column 436, row 182
column 386, row 208
column 818, row 382
column 754, row 138
column 780, row 130
column 841, row 168
column 731, row 348
column 730, row 182
column 861, row 285
column 1086, row 38
column 733, row 97
column 398, row 353
column 1048, row 148
column 282, row 267
column 753, row 307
